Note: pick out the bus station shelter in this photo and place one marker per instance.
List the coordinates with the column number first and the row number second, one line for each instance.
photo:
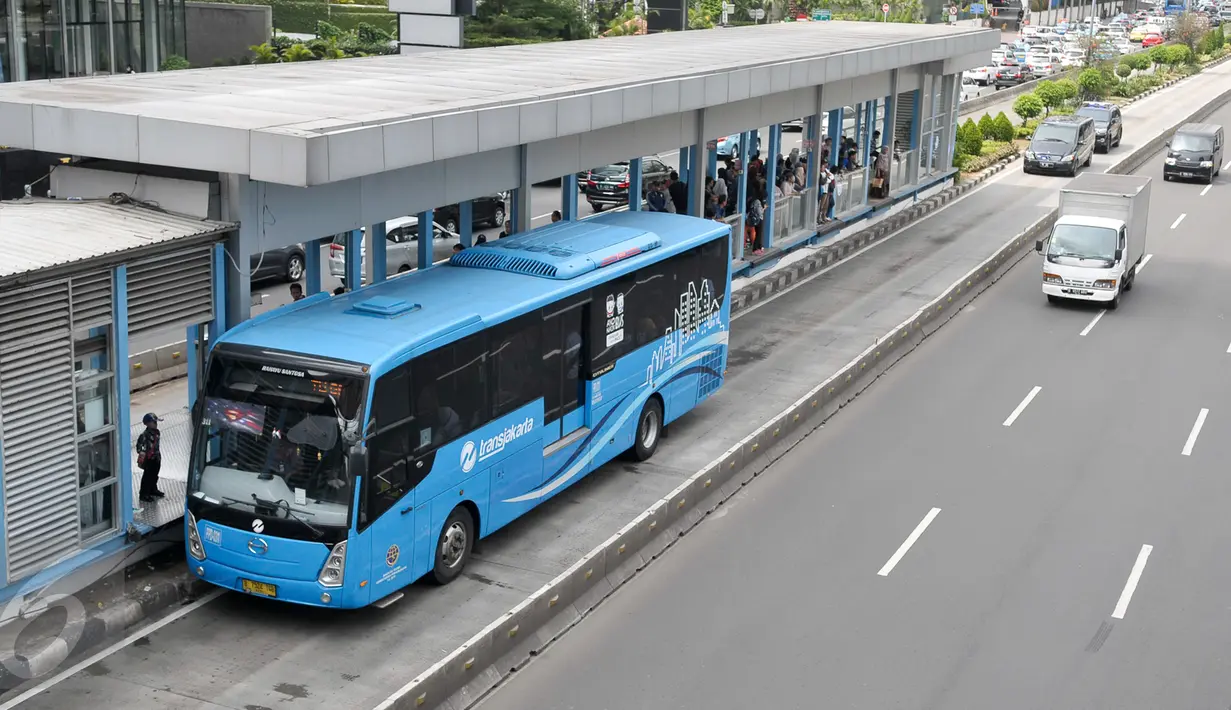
column 281, row 154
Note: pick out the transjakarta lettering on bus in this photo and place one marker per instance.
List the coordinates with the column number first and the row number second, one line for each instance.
column 491, row 446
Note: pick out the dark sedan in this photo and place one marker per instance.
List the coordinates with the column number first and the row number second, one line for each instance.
column 286, row 264
column 1012, row 74
column 608, row 186
column 488, row 211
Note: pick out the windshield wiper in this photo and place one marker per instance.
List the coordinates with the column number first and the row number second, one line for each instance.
column 279, row 505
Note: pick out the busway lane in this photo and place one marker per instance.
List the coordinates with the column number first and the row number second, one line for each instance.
column 1005, row 599
column 241, row 652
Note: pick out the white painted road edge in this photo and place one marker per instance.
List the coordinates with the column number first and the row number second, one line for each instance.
column 1188, row 445
column 1025, row 403
column 1086, row 331
column 117, row 646
column 1134, row 577
column 1206, row 189
column 910, row 542
column 1179, row 219
column 1143, row 263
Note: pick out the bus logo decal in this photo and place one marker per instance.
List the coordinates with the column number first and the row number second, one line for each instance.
column 391, row 555
column 469, row 456
column 258, row 526
column 610, row 305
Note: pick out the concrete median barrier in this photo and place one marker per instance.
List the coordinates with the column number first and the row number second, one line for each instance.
column 463, row 677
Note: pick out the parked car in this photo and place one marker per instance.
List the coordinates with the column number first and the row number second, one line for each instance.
column 488, row 211
column 1012, row 74
column 728, row 147
column 401, row 247
column 979, row 75
column 1152, row 40
column 608, row 185
column 286, row 263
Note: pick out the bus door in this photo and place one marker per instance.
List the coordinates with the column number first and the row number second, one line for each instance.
column 564, row 347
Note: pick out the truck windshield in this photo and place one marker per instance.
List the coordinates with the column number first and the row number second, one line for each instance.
column 1075, row 242
column 272, row 441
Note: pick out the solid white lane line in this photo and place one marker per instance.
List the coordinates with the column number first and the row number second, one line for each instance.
column 1134, row 577
column 117, row 646
column 1207, row 189
column 1229, row 348
column 910, row 541
column 1144, row 261
column 1179, row 219
column 1025, row 403
column 1227, row 166
column 1188, row 445
column 1088, row 328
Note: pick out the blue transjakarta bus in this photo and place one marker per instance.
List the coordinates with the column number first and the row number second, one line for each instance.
column 346, row 446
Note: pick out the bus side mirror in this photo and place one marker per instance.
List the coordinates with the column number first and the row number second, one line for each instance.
column 357, row 462
column 1038, row 246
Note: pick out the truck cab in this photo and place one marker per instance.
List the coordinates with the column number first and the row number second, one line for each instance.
column 1098, row 240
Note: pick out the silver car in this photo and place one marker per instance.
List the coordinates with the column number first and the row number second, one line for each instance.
column 401, row 247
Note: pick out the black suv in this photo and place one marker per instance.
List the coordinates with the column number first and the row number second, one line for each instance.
column 488, row 210
column 608, row 186
column 1108, row 123
column 1061, row 144
column 1195, row 151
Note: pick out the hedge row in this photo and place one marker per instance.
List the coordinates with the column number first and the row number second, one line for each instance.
column 302, row 16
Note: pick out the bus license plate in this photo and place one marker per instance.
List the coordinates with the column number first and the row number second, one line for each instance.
column 261, row 588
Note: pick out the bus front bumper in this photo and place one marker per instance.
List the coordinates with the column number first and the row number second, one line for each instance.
column 294, row 591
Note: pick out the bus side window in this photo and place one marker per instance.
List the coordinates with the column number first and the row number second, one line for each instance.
column 561, row 370
column 513, row 356
column 389, row 446
column 450, row 393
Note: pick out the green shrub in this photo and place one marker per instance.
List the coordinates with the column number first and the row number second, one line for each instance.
column 1123, row 70
column 1051, row 95
column 991, row 156
column 174, row 63
column 303, row 15
column 1004, row 128
column 970, row 138
column 1178, row 54
column 1158, row 55
column 987, row 127
column 1028, row 106
column 1069, row 87
column 1092, row 84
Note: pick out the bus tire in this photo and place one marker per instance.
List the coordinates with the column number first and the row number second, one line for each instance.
column 649, row 430
column 453, row 547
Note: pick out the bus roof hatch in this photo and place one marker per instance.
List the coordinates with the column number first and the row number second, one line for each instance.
column 562, row 251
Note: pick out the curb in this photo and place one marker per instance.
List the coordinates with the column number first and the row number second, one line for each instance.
column 465, row 676
column 98, row 625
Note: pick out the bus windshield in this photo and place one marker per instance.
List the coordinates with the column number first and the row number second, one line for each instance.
column 271, row 441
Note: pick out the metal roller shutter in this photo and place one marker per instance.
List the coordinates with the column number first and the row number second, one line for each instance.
column 173, row 289
column 906, row 111
column 38, row 424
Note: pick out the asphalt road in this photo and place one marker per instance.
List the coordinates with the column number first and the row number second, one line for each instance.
column 1071, row 554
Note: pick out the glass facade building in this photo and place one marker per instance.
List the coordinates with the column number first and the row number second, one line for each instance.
column 53, row 39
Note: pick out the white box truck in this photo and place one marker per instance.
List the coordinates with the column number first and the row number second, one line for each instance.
column 1098, row 240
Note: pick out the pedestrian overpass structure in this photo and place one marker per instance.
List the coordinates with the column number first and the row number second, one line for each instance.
column 295, row 153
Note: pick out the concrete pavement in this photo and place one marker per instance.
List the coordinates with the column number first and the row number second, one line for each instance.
column 1029, row 587
column 239, row 652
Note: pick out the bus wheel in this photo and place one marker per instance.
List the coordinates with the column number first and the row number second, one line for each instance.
column 649, row 429
column 454, row 546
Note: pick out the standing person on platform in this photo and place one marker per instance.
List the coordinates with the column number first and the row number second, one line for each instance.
column 149, row 458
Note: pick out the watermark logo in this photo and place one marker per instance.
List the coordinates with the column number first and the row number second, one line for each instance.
column 469, row 456
column 258, row 526
column 391, row 555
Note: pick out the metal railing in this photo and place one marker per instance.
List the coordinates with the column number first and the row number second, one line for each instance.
column 850, row 190
column 782, row 216
column 736, row 221
column 904, row 170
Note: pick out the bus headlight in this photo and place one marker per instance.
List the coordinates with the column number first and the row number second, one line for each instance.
column 335, row 567
column 195, row 548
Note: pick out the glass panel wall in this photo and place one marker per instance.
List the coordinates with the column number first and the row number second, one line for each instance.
column 42, row 27
column 89, row 39
column 6, row 64
column 97, row 483
column 53, row 39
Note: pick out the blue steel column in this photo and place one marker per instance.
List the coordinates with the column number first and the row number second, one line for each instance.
column 711, row 161
column 915, row 123
column 889, row 126
column 836, row 117
column 312, row 266
column 195, row 352
column 771, row 183
column 568, row 196
column 218, row 325
column 865, row 149
column 741, row 194
column 812, row 127
column 353, row 260
column 465, row 223
column 123, row 393
column 634, row 185
column 380, row 252
column 427, row 233
column 696, row 179
column 859, row 112
column 4, row 564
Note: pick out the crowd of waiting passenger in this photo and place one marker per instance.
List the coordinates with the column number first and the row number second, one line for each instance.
column 671, row 195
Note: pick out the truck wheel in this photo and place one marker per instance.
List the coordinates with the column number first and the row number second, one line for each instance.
column 1054, row 300
column 454, row 546
column 1131, row 279
column 1114, row 303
